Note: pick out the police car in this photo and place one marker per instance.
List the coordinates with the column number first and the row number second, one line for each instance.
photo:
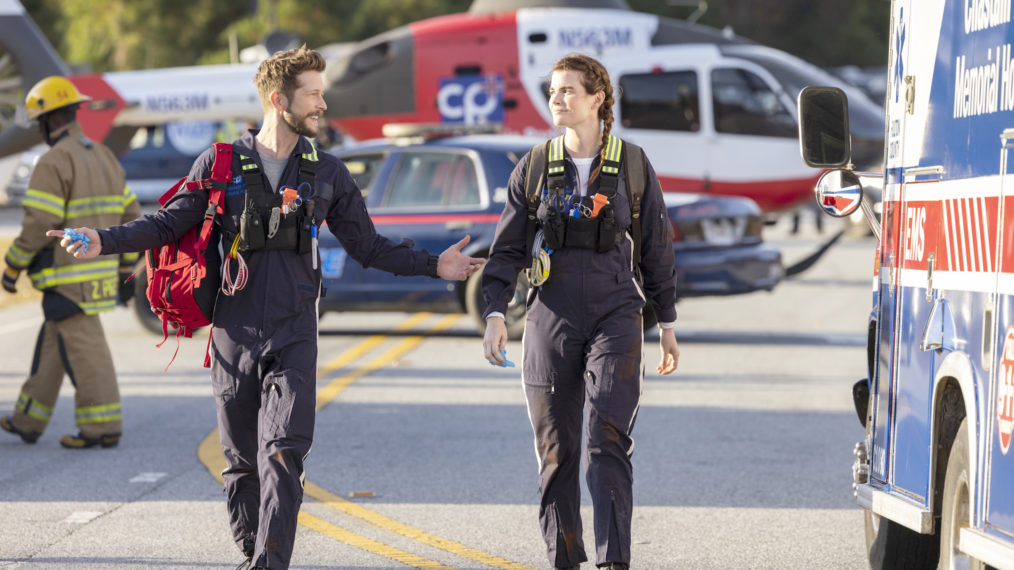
column 434, row 191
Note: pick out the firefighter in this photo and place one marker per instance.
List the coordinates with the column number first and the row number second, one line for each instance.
column 77, row 182
column 583, row 330
column 264, row 335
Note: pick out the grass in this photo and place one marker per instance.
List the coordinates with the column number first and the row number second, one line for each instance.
column 26, row 293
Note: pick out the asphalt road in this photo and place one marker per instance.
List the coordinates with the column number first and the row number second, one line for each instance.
column 423, row 454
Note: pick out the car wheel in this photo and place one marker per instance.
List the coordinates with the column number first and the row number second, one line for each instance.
column 142, row 308
column 515, row 317
column 956, row 510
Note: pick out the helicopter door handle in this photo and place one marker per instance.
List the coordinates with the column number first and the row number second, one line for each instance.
column 458, row 225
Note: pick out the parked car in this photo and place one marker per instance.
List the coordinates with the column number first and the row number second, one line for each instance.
column 436, row 191
column 14, row 192
column 155, row 159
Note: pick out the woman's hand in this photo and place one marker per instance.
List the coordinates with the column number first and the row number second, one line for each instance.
column 670, row 351
column 494, row 341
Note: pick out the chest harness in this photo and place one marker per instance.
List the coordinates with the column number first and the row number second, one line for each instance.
column 280, row 220
column 584, row 222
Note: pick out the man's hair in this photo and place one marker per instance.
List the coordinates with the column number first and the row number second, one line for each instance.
column 279, row 72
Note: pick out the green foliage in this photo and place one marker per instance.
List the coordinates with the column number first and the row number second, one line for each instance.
column 105, row 35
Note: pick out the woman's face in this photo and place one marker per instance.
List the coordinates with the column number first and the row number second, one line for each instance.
column 569, row 102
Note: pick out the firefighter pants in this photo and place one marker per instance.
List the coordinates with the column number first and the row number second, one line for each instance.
column 577, row 367
column 265, row 388
column 76, row 346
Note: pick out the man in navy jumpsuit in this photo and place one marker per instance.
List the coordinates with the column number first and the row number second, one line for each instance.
column 264, row 338
column 583, row 331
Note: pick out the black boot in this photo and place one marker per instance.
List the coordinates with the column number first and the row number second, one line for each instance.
column 79, row 441
column 8, row 426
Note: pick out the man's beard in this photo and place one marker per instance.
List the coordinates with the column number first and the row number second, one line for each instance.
column 299, row 124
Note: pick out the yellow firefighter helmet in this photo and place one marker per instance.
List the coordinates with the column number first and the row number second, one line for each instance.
column 52, row 93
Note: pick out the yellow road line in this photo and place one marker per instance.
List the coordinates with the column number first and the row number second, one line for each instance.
column 360, row 541
column 210, row 453
column 387, row 523
column 350, row 355
column 332, row 390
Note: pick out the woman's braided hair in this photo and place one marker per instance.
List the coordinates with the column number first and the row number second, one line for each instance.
column 594, row 78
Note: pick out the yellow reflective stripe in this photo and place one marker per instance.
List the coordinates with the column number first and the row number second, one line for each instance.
column 96, row 205
column 33, row 408
column 98, row 414
column 129, row 258
column 43, row 201
column 128, row 196
column 96, row 201
column 18, row 258
column 93, row 307
column 53, row 276
column 613, row 154
column 556, row 154
column 311, row 156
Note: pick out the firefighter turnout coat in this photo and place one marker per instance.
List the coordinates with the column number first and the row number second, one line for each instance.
column 76, row 183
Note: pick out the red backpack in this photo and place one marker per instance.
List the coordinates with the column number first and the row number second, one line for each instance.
column 184, row 279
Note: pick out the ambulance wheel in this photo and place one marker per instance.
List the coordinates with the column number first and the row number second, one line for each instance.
column 141, row 307
column 891, row 545
column 515, row 317
column 956, row 509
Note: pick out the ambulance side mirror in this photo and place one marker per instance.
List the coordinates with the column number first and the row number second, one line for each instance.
column 839, row 192
column 824, row 140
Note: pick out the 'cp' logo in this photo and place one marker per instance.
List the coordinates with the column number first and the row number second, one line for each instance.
column 471, row 99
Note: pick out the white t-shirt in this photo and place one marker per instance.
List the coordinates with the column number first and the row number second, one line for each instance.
column 583, row 172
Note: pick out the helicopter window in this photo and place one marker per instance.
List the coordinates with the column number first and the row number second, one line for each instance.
column 660, row 101
column 433, row 180
column 363, row 169
column 745, row 105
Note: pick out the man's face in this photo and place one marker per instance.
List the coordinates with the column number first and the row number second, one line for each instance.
column 306, row 105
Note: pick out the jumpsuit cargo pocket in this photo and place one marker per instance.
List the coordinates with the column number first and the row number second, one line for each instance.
column 544, row 382
column 616, row 388
column 278, row 401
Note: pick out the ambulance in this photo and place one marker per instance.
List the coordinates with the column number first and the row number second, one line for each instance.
column 935, row 471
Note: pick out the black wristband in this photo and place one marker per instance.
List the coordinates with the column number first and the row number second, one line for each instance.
column 431, row 266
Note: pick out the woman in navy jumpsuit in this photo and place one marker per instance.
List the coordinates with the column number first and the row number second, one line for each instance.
column 584, row 333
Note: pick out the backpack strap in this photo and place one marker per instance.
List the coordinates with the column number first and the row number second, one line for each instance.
column 307, row 169
column 533, row 188
column 636, row 175
column 610, row 167
column 221, row 173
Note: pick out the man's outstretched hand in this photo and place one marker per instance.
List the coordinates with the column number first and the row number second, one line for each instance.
column 453, row 265
column 76, row 247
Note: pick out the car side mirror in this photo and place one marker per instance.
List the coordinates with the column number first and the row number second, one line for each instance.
column 824, row 140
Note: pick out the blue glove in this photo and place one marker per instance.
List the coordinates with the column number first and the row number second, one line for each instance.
column 74, row 236
column 10, row 279
column 507, row 363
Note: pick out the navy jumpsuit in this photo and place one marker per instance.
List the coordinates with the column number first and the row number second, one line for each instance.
column 264, row 340
column 582, row 356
